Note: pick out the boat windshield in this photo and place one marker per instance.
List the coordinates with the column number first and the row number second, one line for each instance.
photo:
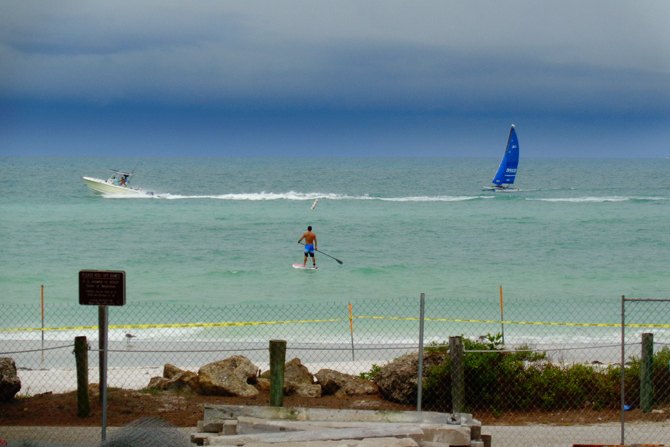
column 119, row 178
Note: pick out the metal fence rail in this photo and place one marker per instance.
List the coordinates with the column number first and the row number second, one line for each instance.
column 544, row 360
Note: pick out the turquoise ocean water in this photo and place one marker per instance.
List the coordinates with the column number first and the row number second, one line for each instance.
column 224, row 231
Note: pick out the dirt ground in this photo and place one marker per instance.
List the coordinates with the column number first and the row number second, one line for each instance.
column 185, row 409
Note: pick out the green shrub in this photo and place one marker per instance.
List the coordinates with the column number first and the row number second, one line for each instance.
column 372, row 374
column 522, row 379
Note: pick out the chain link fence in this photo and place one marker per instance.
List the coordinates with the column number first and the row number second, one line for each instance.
column 645, row 378
column 544, row 372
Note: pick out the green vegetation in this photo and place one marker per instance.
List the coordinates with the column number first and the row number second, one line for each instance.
column 523, row 380
column 370, row 375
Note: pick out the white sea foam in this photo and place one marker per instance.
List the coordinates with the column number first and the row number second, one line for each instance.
column 434, row 198
column 311, row 196
column 594, row 199
column 300, row 196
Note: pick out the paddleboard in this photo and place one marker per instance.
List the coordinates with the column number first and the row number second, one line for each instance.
column 302, row 267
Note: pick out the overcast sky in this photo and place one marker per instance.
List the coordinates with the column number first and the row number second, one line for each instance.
column 335, row 77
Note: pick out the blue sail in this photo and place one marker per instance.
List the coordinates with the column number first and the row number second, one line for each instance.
column 510, row 161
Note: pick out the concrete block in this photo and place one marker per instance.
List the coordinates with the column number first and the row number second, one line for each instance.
column 377, row 442
column 221, row 412
column 229, row 428
column 200, row 438
column 251, row 425
column 475, row 432
column 446, row 434
column 320, row 435
column 212, row 427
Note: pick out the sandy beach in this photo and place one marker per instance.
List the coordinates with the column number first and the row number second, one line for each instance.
column 131, row 378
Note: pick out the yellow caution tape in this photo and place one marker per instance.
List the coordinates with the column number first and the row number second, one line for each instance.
column 170, row 325
column 535, row 323
column 331, row 320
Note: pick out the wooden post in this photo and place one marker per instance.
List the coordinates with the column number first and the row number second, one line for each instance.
column 647, row 373
column 277, row 364
column 457, row 374
column 502, row 316
column 351, row 329
column 81, row 357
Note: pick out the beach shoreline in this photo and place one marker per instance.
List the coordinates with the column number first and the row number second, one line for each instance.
column 61, row 380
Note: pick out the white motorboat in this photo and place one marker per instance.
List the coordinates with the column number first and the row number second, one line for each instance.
column 117, row 184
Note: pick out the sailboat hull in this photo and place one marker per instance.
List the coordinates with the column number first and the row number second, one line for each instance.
column 498, row 189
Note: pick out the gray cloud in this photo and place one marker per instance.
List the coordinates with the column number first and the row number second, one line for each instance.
column 479, row 57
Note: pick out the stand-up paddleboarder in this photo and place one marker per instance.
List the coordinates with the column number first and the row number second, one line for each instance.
column 311, row 244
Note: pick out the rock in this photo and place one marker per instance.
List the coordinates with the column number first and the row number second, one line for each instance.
column 340, row 384
column 230, row 377
column 10, row 384
column 175, row 379
column 296, row 372
column 298, row 380
column 397, row 380
column 303, row 390
column 263, row 384
column 169, row 371
column 158, row 383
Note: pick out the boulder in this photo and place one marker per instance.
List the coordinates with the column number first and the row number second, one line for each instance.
column 10, row 384
column 298, row 380
column 233, row 376
column 340, row 384
column 169, row 371
column 263, row 384
column 397, row 380
column 175, row 379
column 296, row 372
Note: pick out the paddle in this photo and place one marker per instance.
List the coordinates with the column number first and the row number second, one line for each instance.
column 316, row 249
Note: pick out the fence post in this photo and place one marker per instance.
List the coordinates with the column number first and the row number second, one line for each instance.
column 102, row 366
column 81, row 358
column 419, row 379
column 647, row 372
column 277, row 364
column 457, row 374
column 42, row 306
column 622, row 377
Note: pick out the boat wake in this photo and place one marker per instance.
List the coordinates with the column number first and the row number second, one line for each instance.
column 299, row 196
column 605, row 199
column 311, row 196
column 135, row 194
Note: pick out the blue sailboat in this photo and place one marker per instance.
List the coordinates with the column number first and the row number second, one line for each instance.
column 506, row 174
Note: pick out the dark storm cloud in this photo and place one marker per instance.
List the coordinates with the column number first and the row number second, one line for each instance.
column 558, row 60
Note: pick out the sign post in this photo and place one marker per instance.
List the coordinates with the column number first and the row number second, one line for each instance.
column 102, row 288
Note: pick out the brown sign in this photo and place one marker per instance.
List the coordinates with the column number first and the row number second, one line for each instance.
column 102, row 287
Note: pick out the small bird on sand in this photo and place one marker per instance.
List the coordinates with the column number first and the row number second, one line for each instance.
column 129, row 337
